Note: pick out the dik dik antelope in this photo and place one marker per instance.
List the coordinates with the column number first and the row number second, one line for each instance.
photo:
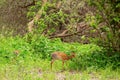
column 61, row 56
column 16, row 52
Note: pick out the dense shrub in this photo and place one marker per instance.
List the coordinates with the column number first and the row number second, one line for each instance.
column 34, row 48
column 9, row 44
column 106, row 20
column 97, row 59
column 87, row 55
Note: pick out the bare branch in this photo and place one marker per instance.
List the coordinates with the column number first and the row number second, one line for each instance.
column 66, row 35
column 26, row 6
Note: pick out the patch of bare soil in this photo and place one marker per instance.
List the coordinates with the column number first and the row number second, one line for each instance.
column 61, row 75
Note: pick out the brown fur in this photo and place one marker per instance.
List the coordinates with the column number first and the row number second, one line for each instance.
column 16, row 52
column 61, row 56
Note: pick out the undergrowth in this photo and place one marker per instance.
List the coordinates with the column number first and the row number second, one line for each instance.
column 35, row 48
column 33, row 60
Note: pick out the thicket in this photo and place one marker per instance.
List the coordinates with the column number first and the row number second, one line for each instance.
column 87, row 56
column 103, row 19
column 106, row 21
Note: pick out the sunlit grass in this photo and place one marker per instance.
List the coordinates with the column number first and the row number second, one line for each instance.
column 40, row 70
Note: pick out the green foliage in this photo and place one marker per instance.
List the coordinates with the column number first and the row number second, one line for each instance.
column 9, row 44
column 34, row 9
column 105, row 21
column 33, row 61
column 55, row 17
column 87, row 56
column 40, row 47
column 96, row 60
column 107, row 13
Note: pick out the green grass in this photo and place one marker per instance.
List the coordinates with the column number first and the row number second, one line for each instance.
column 40, row 70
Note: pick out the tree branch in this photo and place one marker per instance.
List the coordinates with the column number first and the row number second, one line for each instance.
column 26, row 6
column 66, row 35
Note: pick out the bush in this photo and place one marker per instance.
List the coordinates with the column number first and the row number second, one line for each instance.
column 9, row 44
column 96, row 58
